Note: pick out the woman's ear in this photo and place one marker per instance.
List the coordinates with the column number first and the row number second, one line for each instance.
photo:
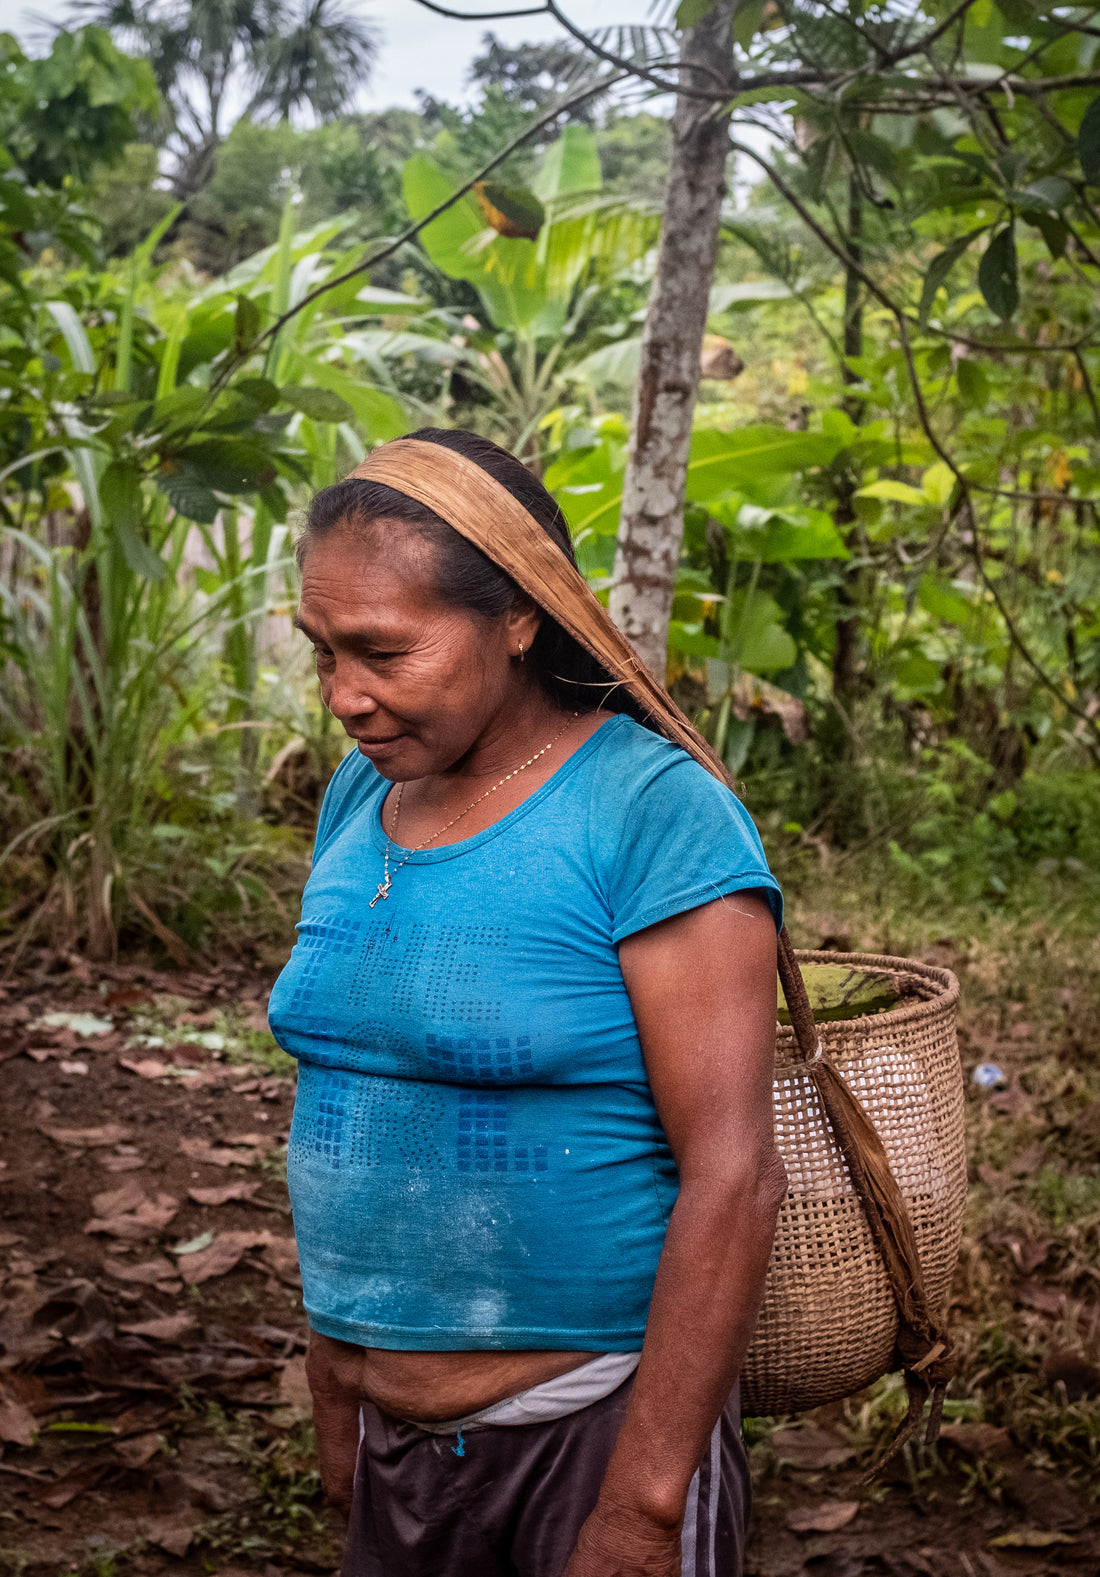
column 522, row 625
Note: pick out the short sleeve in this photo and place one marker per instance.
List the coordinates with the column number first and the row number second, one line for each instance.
column 344, row 786
column 683, row 840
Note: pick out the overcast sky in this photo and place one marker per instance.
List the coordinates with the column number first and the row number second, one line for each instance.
column 419, row 50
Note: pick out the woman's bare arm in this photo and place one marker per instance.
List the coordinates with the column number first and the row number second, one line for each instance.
column 702, row 986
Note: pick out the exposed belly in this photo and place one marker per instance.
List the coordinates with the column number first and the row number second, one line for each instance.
column 436, row 1386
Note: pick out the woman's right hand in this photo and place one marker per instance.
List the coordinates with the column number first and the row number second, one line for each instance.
column 334, row 1371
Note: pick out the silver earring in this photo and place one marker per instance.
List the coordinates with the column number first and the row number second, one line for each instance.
column 521, row 651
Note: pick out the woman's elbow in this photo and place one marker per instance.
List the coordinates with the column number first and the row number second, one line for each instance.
column 772, row 1182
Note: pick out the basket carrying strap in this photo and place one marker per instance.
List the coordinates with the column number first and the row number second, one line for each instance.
column 923, row 1346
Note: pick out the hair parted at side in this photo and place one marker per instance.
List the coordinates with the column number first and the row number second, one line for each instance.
column 465, row 577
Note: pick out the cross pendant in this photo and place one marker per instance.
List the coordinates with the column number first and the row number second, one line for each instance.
column 383, row 892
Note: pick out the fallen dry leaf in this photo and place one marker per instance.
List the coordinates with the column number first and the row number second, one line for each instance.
column 977, row 1440
column 827, row 1516
column 145, row 1067
column 1080, row 1378
column 223, row 1194
column 166, row 1328
column 1043, row 1299
column 17, row 1426
column 151, row 1273
column 143, row 1220
column 122, row 1163
column 59, row 1492
column 810, row 1448
column 172, row 1537
column 218, row 1260
column 200, row 1150
column 114, row 1201
column 87, row 1138
column 138, row 1450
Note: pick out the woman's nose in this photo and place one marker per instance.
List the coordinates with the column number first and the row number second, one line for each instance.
column 346, row 696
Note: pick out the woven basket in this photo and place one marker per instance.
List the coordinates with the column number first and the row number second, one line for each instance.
column 829, row 1321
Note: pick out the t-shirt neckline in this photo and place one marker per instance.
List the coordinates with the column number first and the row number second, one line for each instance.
column 451, row 851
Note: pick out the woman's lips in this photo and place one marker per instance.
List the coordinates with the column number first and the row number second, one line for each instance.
column 367, row 745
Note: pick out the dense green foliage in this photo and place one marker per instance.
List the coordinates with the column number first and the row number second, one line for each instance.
column 888, row 609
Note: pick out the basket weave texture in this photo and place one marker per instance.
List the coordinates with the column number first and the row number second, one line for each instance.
column 829, row 1320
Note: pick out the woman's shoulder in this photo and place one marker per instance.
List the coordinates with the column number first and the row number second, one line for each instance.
column 354, row 783
column 634, row 761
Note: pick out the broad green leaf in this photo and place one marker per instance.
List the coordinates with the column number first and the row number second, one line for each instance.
column 950, row 600
column 938, row 270
column 72, row 332
column 1055, row 232
column 505, row 272
column 260, row 393
column 784, row 536
column 973, row 382
column 120, row 498
column 229, row 465
column 688, row 12
column 1051, row 191
column 938, row 483
column 616, row 363
column 750, row 293
column 246, row 323
column 570, row 165
column 321, row 405
column 997, row 274
column 1088, row 143
column 758, row 640
column 747, row 18
column 120, row 495
column 720, row 460
column 895, row 492
column 188, row 497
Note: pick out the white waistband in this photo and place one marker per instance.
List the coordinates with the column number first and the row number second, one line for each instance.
column 557, row 1398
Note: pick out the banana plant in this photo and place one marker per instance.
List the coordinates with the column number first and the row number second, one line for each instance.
column 536, row 259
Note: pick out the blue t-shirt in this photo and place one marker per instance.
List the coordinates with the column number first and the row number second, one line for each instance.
column 475, row 1159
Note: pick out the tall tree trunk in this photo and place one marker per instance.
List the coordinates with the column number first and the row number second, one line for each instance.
column 652, row 523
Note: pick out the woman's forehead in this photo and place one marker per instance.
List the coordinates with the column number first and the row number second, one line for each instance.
column 357, row 581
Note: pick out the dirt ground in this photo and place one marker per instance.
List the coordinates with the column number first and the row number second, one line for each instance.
column 153, row 1408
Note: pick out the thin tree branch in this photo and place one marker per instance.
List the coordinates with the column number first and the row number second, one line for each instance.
column 1090, row 392
column 480, row 16
column 722, row 91
column 413, row 230
column 930, row 38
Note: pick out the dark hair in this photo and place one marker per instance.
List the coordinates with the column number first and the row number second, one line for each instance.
column 465, row 577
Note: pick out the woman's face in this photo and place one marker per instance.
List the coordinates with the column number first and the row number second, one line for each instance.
column 414, row 681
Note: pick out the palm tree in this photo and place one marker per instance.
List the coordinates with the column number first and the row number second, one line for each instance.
column 210, row 55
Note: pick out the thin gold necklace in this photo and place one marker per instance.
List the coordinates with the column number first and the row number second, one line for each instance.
column 387, row 879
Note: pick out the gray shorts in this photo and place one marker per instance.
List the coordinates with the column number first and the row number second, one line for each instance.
column 513, row 1503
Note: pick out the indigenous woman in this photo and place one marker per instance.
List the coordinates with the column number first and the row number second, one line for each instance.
column 533, row 1002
